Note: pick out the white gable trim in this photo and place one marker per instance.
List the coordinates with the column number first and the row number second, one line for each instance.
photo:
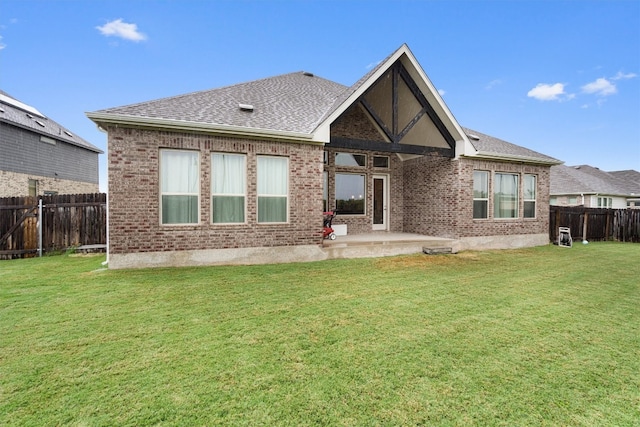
column 410, row 63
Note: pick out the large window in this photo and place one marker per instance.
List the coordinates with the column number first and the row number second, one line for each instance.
column 505, row 195
column 179, row 186
column 273, row 189
column 228, row 187
column 480, row 194
column 350, row 194
column 529, row 196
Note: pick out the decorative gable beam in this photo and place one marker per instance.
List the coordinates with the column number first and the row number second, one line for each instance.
column 392, row 130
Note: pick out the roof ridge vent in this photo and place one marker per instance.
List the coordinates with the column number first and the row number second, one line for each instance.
column 307, row 73
column 245, row 107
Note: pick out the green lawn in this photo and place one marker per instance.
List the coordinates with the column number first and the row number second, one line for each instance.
column 544, row 336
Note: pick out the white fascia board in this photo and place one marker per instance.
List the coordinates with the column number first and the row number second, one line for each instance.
column 513, row 158
column 412, row 65
column 183, row 125
column 324, row 127
column 440, row 107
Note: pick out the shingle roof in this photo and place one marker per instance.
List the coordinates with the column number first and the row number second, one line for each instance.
column 296, row 103
column 631, row 178
column 585, row 179
column 22, row 115
column 293, row 102
column 491, row 146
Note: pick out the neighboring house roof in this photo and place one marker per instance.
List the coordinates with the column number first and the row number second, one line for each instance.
column 300, row 106
column 585, row 179
column 631, row 178
column 27, row 117
column 489, row 146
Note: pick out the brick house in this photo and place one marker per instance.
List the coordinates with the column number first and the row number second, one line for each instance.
column 242, row 174
column 39, row 156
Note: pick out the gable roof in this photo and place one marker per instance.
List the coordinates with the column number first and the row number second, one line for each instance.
column 300, row 106
column 585, row 179
column 19, row 114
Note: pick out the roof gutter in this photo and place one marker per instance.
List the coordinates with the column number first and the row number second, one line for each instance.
column 183, row 125
column 514, row 158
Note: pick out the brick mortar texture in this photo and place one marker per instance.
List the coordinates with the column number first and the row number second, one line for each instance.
column 440, row 202
column 134, row 193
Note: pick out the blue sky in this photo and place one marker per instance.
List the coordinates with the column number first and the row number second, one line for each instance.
column 558, row 77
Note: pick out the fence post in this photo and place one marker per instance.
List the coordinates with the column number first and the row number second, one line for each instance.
column 40, row 227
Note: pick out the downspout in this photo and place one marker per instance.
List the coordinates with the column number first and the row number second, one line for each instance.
column 101, row 129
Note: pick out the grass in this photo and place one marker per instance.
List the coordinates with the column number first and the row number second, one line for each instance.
column 543, row 336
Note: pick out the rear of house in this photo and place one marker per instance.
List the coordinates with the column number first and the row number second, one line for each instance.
column 38, row 156
column 242, row 174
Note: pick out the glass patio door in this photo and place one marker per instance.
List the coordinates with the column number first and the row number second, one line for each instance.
column 380, row 201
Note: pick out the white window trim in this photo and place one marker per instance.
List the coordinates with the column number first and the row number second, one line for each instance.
column 190, row 224
column 230, row 194
column 487, row 199
column 535, row 198
column 518, row 192
column 287, row 195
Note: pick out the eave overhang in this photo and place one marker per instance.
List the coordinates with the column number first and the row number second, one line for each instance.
column 101, row 118
column 513, row 158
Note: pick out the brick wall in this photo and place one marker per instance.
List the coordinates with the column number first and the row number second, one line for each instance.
column 13, row 184
column 358, row 224
column 134, row 211
column 440, row 202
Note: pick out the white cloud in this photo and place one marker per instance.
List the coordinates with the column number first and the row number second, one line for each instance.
column 2, row 45
column 123, row 30
column 441, row 92
column 623, row 76
column 547, row 92
column 600, row 87
column 493, row 83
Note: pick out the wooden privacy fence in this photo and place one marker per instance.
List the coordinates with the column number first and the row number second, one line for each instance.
column 595, row 224
column 67, row 221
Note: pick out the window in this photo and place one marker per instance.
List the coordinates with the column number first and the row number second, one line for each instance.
column 480, row 194
column 605, row 202
column 505, row 195
column 573, row 200
column 380, row 162
column 179, row 187
column 33, row 187
column 529, row 196
column 350, row 194
column 228, row 188
column 347, row 159
column 273, row 189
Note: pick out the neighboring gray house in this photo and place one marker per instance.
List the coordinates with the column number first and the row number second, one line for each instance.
column 242, row 174
column 39, row 156
column 591, row 187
